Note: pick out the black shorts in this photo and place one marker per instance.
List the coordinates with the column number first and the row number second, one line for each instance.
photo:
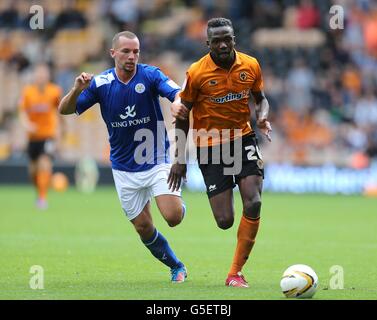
column 36, row 148
column 218, row 170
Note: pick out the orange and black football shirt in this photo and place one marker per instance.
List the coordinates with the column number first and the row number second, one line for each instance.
column 221, row 98
column 41, row 108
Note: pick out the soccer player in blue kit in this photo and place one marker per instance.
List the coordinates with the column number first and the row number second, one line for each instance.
column 129, row 100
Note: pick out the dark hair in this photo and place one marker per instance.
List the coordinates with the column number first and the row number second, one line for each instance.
column 126, row 34
column 218, row 22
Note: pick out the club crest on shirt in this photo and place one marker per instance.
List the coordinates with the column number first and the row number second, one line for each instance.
column 243, row 75
column 139, row 88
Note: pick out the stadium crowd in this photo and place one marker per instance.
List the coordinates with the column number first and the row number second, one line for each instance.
column 321, row 82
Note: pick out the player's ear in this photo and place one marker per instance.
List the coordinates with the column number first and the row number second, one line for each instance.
column 112, row 53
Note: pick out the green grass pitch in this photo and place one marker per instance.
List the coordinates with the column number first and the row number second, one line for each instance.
column 88, row 250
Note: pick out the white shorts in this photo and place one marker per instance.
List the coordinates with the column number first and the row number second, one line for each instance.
column 135, row 189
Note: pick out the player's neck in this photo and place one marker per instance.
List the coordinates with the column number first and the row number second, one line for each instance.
column 224, row 64
column 124, row 75
column 41, row 86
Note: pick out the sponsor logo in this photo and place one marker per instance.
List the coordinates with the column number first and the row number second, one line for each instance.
column 104, row 79
column 129, row 113
column 230, row 97
column 139, row 88
column 212, row 187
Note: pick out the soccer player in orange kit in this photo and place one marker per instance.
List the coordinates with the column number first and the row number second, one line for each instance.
column 217, row 91
column 38, row 112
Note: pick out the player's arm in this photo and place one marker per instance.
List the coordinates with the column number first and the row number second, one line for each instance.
column 23, row 116
column 179, row 167
column 179, row 109
column 68, row 103
column 26, row 123
column 261, row 111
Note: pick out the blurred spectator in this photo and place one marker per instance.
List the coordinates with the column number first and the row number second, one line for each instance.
column 125, row 14
column 70, row 18
column 366, row 110
column 9, row 17
column 300, row 81
column 307, row 15
column 370, row 31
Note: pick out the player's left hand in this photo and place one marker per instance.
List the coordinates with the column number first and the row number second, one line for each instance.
column 177, row 173
column 265, row 127
column 178, row 110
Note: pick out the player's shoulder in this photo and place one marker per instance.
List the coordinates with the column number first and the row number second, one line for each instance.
column 246, row 58
column 200, row 65
column 28, row 88
column 55, row 88
column 104, row 78
column 148, row 68
column 149, row 71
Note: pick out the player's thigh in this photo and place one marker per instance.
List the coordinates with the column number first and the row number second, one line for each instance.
column 251, row 194
column 220, row 193
column 132, row 196
column 35, row 149
column 143, row 222
column 44, row 162
column 222, row 208
column 215, row 180
column 171, row 208
column 168, row 202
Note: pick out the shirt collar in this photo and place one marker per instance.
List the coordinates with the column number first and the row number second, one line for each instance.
column 213, row 66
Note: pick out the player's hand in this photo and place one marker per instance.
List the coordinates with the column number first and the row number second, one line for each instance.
column 82, row 81
column 30, row 127
column 177, row 173
column 178, row 110
column 265, row 127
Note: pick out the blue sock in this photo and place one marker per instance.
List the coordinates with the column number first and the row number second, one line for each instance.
column 160, row 248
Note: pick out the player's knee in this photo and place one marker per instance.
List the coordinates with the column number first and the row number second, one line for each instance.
column 224, row 222
column 144, row 229
column 252, row 208
column 44, row 163
column 174, row 222
column 175, row 218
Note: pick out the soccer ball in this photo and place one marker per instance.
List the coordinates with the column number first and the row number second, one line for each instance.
column 299, row 281
column 59, row 182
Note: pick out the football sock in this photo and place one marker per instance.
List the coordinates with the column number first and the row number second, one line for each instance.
column 160, row 248
column 247, row 232
column 43, row 183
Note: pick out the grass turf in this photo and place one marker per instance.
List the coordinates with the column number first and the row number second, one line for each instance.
column 88, row 250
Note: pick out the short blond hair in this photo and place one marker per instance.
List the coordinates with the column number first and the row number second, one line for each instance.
column 126, row 34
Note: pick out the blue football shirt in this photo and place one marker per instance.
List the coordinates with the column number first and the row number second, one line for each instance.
column 133, row 116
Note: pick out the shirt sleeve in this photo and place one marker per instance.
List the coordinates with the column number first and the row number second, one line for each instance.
column 258, row 83
column 22, row 103
column 166, row 87
column 58, row 96
column 189, row 92
column 87, row 98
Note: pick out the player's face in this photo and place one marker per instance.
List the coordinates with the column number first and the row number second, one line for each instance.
column 126, row 53
column 41, row 75
column 221, row 43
